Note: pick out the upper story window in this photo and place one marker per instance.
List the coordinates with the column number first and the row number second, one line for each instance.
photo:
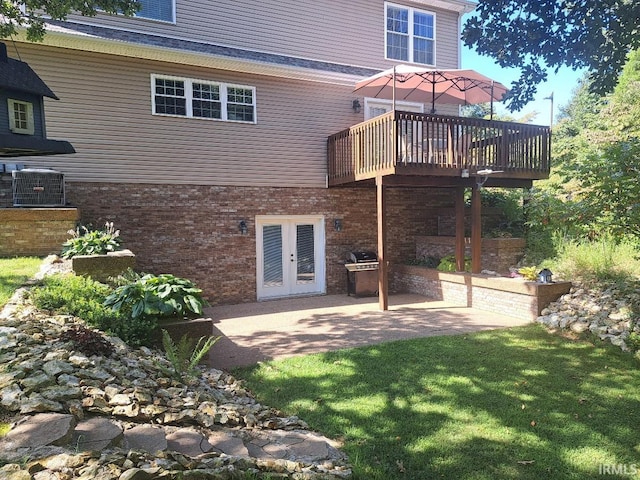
column 21, row 117
column 186, row 97
column 163, row 10
column 410, row 34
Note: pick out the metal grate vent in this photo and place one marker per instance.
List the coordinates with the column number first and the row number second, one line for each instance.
column 38, row 188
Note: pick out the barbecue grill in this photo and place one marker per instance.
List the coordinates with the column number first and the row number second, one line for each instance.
column 362, row 274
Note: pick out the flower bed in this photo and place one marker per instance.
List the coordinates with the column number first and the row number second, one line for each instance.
column 509, row 296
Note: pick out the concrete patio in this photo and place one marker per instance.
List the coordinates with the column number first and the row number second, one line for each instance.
column 268, row 330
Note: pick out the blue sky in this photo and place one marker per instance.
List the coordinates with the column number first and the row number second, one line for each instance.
column 561, row 84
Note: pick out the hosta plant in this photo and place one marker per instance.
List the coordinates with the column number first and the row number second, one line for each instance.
column 153, row 296
column 92, row 242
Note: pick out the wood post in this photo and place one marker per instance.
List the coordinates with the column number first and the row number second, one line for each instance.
column 459, row 229
column 476, row 230
column 383, row 273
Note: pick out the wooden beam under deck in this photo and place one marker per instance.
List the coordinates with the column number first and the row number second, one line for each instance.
column 452, row 182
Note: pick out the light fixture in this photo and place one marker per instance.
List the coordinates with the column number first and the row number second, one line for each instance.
column 483, row 176
column 356, row 106
column 545, row 276
column 337, row 224
column 242, row 226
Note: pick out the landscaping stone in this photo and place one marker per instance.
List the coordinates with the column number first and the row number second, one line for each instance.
column 108, row 418
column 606, row 313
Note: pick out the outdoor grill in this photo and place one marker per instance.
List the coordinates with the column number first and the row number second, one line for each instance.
column 362, row 274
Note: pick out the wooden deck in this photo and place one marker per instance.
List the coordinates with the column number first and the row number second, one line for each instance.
column 415, row 149
column 439, row 150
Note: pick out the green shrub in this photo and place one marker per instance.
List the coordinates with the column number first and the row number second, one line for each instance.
column 74, row 295
column 152, row 296
column 91, row 242
column 448, row 264
column 429, row 261
column 84, row 298
column 510, row 205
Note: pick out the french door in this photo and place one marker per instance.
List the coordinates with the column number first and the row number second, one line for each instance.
column 290, row 256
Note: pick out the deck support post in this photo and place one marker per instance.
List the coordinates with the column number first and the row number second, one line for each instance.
column 383, row 266
column 459, row 251
column 476, row 230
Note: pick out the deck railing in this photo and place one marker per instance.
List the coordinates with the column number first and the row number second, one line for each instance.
column 445, row 143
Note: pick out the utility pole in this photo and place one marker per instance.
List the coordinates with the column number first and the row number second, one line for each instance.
column 550, row 97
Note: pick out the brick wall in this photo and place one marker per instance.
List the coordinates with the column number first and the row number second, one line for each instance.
column 192, row 230
column 35, row 231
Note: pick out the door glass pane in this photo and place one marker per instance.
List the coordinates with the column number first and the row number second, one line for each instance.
column 306, row 268
column 272, row 239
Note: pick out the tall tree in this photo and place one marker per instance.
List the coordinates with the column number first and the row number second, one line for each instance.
column 536, row 35
column 598, row 145
column 31, row 13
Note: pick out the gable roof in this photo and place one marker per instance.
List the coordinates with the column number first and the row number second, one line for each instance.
column 17, row 75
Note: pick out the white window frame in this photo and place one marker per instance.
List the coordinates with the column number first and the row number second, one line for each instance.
column 30, row 129
column 411, row 11
column 388, row 105
column 188, row 88
column 162, row 20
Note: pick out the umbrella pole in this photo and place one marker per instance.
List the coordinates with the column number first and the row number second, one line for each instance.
column 433, row 95
column 394, row 88
column 491, row 113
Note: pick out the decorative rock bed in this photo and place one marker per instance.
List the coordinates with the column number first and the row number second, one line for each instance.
column 607, row 313
column 120, row 417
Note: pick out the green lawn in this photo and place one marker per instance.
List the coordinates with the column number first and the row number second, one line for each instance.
column 509, row 404
column 14, row 272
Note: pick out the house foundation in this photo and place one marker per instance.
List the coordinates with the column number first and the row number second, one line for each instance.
column 192, row 230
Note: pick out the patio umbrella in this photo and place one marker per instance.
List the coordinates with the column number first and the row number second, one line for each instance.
column 424, row 85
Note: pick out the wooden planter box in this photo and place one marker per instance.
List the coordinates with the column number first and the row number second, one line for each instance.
column 509, row 296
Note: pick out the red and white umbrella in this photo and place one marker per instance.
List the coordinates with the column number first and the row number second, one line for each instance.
column 426, row 85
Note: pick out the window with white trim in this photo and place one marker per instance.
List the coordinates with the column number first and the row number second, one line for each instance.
column 410, row 34
column 186, row 97
column 21, row 117
column 162, row 10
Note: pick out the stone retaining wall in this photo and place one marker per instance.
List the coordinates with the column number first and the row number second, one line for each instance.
column 35, row 231
column 508, row 296
column 101, row 267
column 498, row 254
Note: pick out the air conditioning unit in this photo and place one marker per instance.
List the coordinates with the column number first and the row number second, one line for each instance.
column 35, row 187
